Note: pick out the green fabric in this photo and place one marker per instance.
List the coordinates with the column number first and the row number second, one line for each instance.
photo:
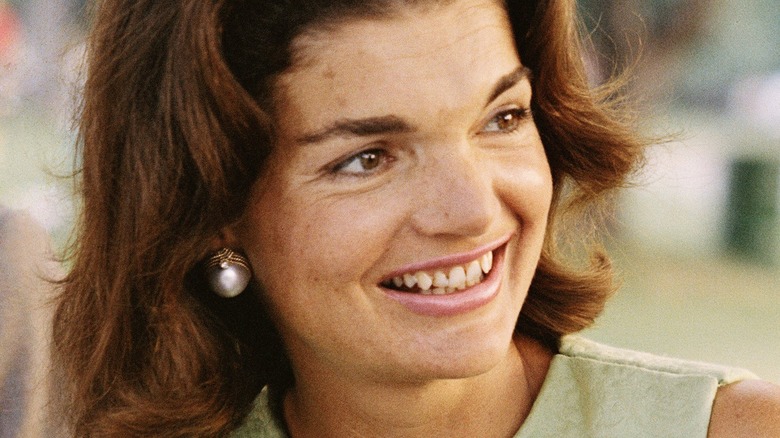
column 260, row 423
column 592, row 390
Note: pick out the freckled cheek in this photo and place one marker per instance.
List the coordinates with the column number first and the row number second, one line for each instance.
column 321, row 245
column 349, row 240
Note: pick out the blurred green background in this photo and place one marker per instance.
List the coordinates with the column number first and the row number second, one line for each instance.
column 696, row 241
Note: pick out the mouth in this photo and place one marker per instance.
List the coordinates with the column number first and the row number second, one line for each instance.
column 451, row 285
column 443, row 280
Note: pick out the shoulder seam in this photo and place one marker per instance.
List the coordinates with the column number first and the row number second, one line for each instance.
column 579, row 347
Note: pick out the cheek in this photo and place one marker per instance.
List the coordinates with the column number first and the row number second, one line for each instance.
column 525, row 185
column 303, row 240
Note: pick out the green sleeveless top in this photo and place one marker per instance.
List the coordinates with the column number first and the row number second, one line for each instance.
column 592, row 390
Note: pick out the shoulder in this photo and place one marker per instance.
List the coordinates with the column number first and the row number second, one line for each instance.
column 749, row 408
column 582, row 348
column 657, row 395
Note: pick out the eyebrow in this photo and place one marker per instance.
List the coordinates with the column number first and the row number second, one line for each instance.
column 359, row 128
column 392, row 124
column 508, row 81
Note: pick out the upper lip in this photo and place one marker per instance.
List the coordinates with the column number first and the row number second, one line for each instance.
column 449, row 260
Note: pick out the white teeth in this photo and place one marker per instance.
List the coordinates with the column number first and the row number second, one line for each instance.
column 473, row 273
column 409, row 280
column 458, row 277
column 486, row 262
column 439, row 283
column 440, row 279
column 424, row 281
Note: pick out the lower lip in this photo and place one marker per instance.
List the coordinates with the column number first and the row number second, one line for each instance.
column 455, row 303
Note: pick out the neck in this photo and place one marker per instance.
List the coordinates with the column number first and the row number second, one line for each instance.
column 492, row 404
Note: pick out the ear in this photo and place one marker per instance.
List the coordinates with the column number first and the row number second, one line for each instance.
column 226, row 238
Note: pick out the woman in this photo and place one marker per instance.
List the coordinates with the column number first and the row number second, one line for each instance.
column 393, row 176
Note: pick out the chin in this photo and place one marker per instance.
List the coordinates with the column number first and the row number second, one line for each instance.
column 468, row 355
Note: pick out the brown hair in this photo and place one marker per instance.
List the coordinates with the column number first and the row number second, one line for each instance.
column 174, row 132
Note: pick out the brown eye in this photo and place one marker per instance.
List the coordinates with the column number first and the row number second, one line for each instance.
column 363, row 163
column 506, row 121
column 369, row 160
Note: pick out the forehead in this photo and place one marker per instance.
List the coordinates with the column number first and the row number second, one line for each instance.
column 440, row 20
column 376, row 65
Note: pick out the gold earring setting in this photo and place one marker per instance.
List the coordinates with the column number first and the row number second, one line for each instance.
column 228, row 273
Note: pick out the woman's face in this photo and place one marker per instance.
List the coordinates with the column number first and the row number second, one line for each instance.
column 405, row 150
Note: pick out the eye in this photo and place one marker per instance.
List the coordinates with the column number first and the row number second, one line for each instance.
column 363, row 163
column 506, row 121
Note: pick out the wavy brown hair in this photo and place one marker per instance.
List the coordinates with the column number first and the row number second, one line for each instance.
column 175, row 127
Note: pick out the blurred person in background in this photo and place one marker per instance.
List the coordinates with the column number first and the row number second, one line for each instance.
column 33, row 35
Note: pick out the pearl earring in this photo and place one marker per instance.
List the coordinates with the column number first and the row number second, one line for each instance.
column 228, row 273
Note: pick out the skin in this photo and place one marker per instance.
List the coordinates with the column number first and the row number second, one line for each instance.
column 455, row 164
column 324, row 228
column 746, row 409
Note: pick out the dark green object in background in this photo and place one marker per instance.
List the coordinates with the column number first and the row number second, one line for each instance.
column 753, row 215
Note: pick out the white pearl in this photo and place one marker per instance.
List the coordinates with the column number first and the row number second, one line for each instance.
column 230, row 281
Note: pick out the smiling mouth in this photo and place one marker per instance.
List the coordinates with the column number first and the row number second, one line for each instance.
column 443, row 281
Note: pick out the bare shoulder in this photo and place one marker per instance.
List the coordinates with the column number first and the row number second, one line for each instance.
column 750, row 408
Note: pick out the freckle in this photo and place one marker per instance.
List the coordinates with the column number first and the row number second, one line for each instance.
column 329, row 73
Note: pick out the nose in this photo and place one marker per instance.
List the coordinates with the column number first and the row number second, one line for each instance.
column 456, row 195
